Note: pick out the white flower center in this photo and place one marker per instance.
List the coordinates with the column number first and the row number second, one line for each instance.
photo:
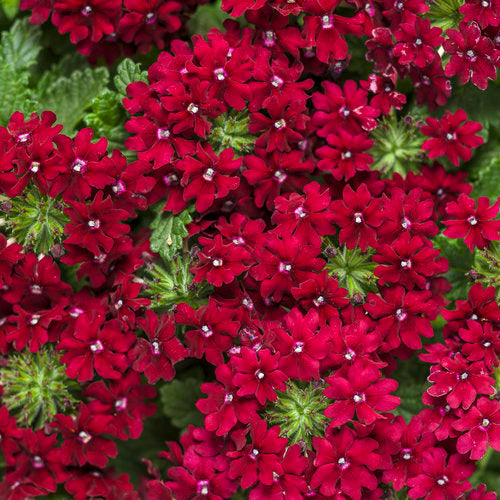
column 220, row 74
column 472, row 220
column 86, row 11
column 284, row 267
column 217, row 262
column 84, row 437
column 280, row 124
column 121, row 404
column 37, row 462
column 94, row 223
column 35, row 166
column 35, row 289
column 259, row 374
column 163, row 133
column 34, row 319
column 155, row 347
column 193, row 108
column 79, row 165
column 96, row 346
column 276, row 81
column 280, row 176
column 209, row 173
column 401, row 314
column 299, row 213
column 228, row 398
column 298, row 347
column 406, row 264
column 206, row 331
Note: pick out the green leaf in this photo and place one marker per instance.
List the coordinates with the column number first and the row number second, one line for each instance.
column 178, row 399
column 461, row 261
column 128, row 72
column 207, row 17
column 69, row 97
column 107, row 117
column 168, row 232
column 479, row 105
column 14, row 93
column 21, row 45
column 488, row 182
column 10, row 7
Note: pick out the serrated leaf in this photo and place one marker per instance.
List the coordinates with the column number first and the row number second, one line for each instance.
column 178, row 400
column 10, row 7
column 21, row 45
column 14, row 93
column 69, row 97
column 480, row 106
column 168, row 232
column 127, row 72
column 107, row 117
column 488, row 181
column 207, row 17
column 461, row 261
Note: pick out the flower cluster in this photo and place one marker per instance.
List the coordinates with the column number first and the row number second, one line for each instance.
column 110, row 28
column 302, row 280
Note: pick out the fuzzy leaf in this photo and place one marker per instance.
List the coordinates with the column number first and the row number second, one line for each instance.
column 107, row 117
column 488, row 182
column 10, row 8
column 14, row 93
column 68, row 97
column 168, row 232
column 128, row 72
column 178, row 399
column 461, row 261
column 21, row 45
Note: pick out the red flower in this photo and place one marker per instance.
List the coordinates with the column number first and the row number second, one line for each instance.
column 215, row 329
column 283, row 263
column 291, row 484
column 83, row 442
column 358, row 214
column 416, row 40
column 259, row 460
column 482, row 426
column 301, row 347
column 238, row 7
column 94, row 226
column 207, row 176
column 220, row 263
column 38, row 462
column 124, row 399
column 10, row 435
column 323, row 293
column 481, row 343
column 402, row 316
column 308, row 217
column 148, row 22
column 344, row 463
column 276, row 173
column 223, row 407
column 257, row 373
column 342, row 108
column 283, row 128
column 323, row 29
column 475, row 225
column 473, row 56
column 460, row 381
column 86, row 165
column 441, row 478
column 486, row 13
column 361, row 392
column 451, row 137
column 345, row 154
column 95, row 344
column 199, row 481
column 408, row 262
column 86, row 18
column 156, row 355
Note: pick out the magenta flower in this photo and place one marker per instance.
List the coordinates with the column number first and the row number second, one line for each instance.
column 83, row 442
column 358, row 214
column 157, row 355
column 460, row 381
column 207, row 176
column 473, row 55
column 416, row 41
column 343, row 108
column 482, row 342
column 475, row 225
column 95, row 344
column 301, row 346
column 214, row 330
column 452, row 136
column 257, row 374
column 220, row 263
column 442, row 476
column 259, row 460
column 359, row 391
column 223, row 407
column 482, row 428
column 344, row 463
